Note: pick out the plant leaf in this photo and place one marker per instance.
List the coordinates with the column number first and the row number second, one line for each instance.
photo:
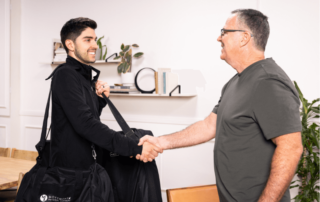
column 122, row 46
column 314, row 136
column 105, row 53
column 314, row 101
column 294, row 186
column 128, row 68
column 293, row 182
column 139, row 54
column 125, row 67
column 120, row 67
column 100, row 54
column 116, row 58
column 315, row 110
column 310, row 150
column 99, row 42
column 121, row 53
column 301, row 96
column 128, row 58
column 298, row 89
column 126, row 48
column 317, row 197
column 135, row 45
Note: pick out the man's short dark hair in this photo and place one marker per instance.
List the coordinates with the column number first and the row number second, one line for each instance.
column 258, row 25
column 73, row 28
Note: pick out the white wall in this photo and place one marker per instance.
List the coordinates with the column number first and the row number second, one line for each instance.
column 4, row 72
column 180, row 34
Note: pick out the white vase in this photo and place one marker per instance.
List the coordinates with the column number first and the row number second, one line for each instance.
column 127, row 79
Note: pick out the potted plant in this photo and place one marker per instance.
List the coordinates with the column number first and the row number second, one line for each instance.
column 102, row 57
column 125, row 66
column 308, row 167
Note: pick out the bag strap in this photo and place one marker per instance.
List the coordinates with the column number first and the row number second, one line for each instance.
column 122, row 123
column 43, row 137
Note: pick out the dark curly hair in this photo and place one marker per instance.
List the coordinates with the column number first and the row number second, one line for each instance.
column 257, row 23
column 73, row 28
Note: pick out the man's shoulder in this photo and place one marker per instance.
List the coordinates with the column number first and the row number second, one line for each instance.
column 270, row 69
column 270, row 74
column 64, row 69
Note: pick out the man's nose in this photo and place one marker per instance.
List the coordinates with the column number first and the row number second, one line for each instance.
column 94, row 45
column 219, row 38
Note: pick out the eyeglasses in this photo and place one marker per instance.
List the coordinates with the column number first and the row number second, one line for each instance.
column 223, row 31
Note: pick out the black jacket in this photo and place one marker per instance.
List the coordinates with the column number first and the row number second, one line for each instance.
column 75, row 120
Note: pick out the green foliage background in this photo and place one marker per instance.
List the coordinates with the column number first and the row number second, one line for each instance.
column 308, row 167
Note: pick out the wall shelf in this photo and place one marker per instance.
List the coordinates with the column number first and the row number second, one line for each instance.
column 151, row 95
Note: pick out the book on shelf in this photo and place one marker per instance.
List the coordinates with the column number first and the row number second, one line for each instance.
column 160, row 79
column 166, row 81
column 125, row 92
column 123, row 87
column 156, row 82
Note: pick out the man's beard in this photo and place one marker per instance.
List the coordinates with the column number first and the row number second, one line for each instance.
column 78, row 55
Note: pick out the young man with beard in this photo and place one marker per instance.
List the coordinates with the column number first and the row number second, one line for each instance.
column 256, row 124
column 77, row 104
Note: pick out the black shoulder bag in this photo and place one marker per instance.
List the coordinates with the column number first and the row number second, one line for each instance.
column 50, row 184
column 132, row 180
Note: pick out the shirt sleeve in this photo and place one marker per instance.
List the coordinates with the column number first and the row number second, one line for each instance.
column 215, row 109
column 102, row 104
column 276, row 108
column 67, row 88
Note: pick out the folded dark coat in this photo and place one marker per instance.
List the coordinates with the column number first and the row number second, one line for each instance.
column 75, row 120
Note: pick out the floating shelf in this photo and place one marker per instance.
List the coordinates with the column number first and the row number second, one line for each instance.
column 151, row 95
column 97, row 62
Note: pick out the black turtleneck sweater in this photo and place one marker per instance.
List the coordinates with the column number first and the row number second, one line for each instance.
column 75, row 120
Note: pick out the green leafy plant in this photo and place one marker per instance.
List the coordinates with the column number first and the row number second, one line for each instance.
column 308, row 167
column 126, row 57
column 100, row 47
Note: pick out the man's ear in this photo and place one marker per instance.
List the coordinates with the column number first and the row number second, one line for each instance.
column 246, row 37
column 70, row 45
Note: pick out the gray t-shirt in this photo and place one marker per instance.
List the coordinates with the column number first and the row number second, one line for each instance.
column 257, row 105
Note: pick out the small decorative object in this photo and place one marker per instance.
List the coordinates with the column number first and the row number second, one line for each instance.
column 136, row 81
column 308, row 167
column 127, row 79
column 59, row 53
column 126, row 58
column 101, row 47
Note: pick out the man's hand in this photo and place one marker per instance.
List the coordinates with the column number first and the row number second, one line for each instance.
column 149, row 152
column 102, row 87
column 149, row 139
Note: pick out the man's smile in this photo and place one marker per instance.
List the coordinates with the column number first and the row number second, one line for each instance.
column 92, row 52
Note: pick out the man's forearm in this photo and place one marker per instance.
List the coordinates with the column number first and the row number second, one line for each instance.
column 283, row 167
column 197, row 133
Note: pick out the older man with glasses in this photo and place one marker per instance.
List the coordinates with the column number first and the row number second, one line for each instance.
column 256, row 123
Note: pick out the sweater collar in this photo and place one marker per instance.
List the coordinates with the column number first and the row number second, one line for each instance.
column 84, row 70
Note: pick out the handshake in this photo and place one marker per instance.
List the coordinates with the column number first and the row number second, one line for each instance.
column 151, row 147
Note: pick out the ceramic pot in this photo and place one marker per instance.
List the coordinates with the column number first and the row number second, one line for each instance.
column 127, row 79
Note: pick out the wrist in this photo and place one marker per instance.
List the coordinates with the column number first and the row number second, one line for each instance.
column 165, row 144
